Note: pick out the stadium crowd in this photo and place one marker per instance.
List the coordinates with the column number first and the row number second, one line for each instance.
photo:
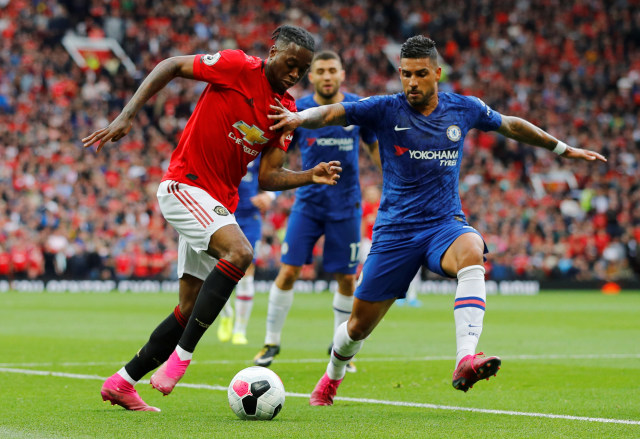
column 571, row 67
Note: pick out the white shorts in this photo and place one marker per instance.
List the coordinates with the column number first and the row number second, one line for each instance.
column 195, row 215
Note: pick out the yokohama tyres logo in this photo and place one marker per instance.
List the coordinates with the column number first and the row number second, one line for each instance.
column 447, row 157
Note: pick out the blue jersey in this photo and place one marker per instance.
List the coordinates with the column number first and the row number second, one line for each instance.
column 420, row 157
column 248, row 188
column 324, row 202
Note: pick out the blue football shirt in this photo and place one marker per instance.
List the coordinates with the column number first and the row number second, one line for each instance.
column 341, row 201
column 248, row 188
column 420, row 157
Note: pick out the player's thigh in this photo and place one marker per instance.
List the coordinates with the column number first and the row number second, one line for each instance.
column 302, row 234
column 454, row 246
column 230, row 244
column 192, row 212
column 197, row 217
column 341, row 252
column 387, row 273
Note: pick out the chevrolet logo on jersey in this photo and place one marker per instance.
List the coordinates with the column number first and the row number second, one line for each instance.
column 252, row 134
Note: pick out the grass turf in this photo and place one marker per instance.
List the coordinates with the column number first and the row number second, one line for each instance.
column 572, row 353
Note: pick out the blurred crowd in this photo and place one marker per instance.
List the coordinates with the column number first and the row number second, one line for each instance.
column 571, row 67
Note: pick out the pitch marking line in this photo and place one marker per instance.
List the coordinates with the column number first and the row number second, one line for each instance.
column 343, row 398
column 362, row 359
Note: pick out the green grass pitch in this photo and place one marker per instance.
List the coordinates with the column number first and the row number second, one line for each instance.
column 571, row 362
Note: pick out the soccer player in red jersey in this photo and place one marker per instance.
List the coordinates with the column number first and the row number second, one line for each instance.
column 198, row 194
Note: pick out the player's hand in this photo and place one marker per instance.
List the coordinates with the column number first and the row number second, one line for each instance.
column 583, row 154
column 327, row 173
column 262, row 201
column 285, row 121
column 116, row 130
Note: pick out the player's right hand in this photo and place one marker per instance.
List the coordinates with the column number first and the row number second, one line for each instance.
column 116, row 130
column 327, row 173
column 286, row 121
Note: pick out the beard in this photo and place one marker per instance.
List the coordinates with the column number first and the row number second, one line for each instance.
column 420, row 100
column 325, row 95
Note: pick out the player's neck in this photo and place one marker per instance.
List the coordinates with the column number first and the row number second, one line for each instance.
column 336, row 98
column 429, row 106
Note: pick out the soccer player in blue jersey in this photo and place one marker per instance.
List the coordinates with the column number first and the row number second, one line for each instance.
column 252, row 204
column 335, row 213
column 420, row 220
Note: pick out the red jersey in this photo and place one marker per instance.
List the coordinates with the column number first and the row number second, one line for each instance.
column 229, row 126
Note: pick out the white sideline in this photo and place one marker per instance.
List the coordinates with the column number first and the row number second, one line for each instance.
column 324, row 360
column 362, row 400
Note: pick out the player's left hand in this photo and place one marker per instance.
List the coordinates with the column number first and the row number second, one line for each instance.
column 327, row 173
column 116, row 130
column 286, row 120
column 262, row 201
column 583, row 154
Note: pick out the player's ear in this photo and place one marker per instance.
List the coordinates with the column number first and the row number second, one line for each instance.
column 438, row 74
column 272, row 51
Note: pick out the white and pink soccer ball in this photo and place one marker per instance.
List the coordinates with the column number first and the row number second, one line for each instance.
column 256, row 393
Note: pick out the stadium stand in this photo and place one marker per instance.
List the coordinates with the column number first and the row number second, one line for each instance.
column 571, row 67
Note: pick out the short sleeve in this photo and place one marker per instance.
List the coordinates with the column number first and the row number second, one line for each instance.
column 221, row 68
column 487, row 119
column 367, row 136
column 365, row 112
column 290, row 104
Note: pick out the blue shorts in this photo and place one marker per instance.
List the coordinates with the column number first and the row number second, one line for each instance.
column 392, row 265
column 251, row 226
column 341, row 242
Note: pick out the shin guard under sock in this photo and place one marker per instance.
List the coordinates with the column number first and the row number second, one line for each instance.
column 213, row 295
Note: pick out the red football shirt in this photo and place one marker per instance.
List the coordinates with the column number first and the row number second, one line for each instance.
column 229, row 126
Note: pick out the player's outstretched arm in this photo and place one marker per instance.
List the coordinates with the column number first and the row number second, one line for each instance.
column 165, row 71
column 273, row 177
column 374, row 153
column 523, row 131
column 312, row 118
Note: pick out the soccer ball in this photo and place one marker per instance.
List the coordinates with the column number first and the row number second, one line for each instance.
column 256, row 393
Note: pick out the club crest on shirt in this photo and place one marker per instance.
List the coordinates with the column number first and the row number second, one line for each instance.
column 454, row 133
column 211, row 59
column 220, row 210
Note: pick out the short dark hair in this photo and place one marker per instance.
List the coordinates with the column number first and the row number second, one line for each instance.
column 293, row 34
column 325, row 55
column 419, row 46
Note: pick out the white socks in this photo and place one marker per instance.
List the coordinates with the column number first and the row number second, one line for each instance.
column 182, row 354
column 227, row 311
column 344, row 349
column 341, row 309
column 245, row 291
column 125, row 376
column 279, row 304
column 412, row 291
column 468, row 310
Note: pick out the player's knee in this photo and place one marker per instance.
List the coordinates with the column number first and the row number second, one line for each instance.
column 358, row 330
column 186, row 308
column 473, row 257
column 287, row 276
column 241, row 256
column 347, row 284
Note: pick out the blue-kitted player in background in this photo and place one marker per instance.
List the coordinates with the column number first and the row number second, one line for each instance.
column 420, row 219
column 335, row 213
column 252, row 204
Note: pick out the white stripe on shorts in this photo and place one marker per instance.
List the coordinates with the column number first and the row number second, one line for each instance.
column 191, row 204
